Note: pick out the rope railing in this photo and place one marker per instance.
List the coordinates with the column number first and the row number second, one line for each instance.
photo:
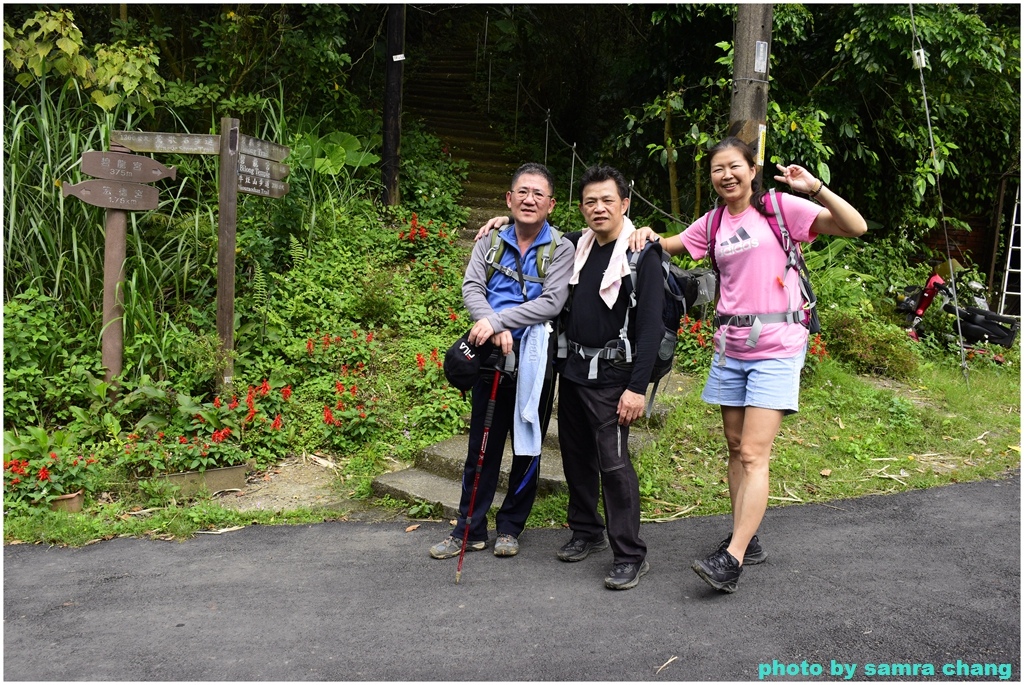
column 575, row 157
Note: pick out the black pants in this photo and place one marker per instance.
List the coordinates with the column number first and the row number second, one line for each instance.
column 595, row 457
column 522, row 482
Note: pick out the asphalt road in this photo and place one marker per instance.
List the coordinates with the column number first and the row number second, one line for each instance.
column 930, row 577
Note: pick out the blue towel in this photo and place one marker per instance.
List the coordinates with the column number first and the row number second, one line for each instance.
column 533, row 359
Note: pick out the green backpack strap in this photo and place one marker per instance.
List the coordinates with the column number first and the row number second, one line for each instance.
column 544, row 255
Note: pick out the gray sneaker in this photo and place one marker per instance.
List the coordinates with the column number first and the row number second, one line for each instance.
column 506, row 545
column 452, row 547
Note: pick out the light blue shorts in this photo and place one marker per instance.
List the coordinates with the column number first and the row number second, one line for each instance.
column 764, row 383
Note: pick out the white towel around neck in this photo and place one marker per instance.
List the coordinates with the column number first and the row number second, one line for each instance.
column 618, row 264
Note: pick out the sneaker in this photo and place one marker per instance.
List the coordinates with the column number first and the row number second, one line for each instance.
column 720, row 570
column 506, row 545
column 452, row 547
column 579, row 549
column 625, row 576
column 754, row 553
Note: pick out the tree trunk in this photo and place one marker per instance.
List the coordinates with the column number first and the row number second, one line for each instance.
column 748, row 115
column 391, row 143
column 673, row 172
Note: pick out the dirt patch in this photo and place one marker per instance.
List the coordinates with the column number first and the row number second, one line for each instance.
column 302, row 482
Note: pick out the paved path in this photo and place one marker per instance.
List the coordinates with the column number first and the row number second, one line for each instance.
column 928, row 577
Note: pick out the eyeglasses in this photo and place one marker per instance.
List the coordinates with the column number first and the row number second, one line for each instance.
column 522, row 193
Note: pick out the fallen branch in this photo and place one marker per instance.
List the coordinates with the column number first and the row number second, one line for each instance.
column 665, row 664
column 218, row 532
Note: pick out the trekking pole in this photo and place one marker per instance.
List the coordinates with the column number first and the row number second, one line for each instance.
column 488, row 417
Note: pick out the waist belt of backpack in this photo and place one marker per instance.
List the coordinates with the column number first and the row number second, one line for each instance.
column 505, row 363
column 755, row 322
column 595, row 353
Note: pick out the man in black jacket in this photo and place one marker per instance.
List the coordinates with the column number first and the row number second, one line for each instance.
column 614, row 329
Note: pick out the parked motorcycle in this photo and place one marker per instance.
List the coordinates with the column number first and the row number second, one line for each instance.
column 977, row 323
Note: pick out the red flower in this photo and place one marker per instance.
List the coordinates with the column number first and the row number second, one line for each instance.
column 355, row 334
column 421, row 361
column 286, row 392
column 250, row 415
column 234, row 402
column 328, row 416
column 216, row 402
column 53, row 456
column 15, row 481
column 353, row 390
column 339, row 406
column 264, row 388
column 327, row 341
column 369, row 337
column 423, row 232
column 182, row 439
column 362, row 415
column 44, row 474
column 401, row 236
column 339, row 388
column 276, row 425
column 309, row 345
column 452, row 315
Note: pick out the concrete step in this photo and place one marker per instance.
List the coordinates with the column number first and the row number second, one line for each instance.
column 436, row 475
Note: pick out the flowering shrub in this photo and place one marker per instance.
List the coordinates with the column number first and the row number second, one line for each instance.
column 439, row 408
column 160, row 454
column 352, row 418
column 39, row 467
column 695, row 346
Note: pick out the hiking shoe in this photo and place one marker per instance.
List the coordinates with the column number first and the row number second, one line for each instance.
column 754, row 553
column 579, row 549
column 506, row 545
column 720, row 570
column 452, row 547
column 625, row 576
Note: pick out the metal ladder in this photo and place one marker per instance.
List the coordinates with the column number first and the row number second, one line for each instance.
column 1012, row 262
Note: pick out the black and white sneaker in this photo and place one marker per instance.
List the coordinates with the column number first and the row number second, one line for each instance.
column 754, row 553
column 626, row 576
column 578, row 549
column 720, row 570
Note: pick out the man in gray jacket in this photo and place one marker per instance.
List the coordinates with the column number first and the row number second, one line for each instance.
column 516, row 283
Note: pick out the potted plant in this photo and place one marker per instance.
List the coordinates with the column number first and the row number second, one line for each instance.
column 43, row 469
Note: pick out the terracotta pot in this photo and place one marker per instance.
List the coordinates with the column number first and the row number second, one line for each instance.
column 71, row 502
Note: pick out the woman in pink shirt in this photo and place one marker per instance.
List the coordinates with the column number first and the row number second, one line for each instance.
column 755, row 384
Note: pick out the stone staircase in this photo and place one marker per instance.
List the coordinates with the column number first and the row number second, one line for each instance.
column 438, row 93
column 436, row 475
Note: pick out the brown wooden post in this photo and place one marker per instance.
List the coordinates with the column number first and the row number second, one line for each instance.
column 228, row 215
column 391, row 143
column 748, row 115
column 115, row 251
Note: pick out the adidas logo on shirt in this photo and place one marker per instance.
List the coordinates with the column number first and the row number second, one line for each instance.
column 741, row 242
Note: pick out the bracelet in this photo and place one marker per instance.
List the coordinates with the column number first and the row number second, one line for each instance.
column 655, row 238
column 821, row 184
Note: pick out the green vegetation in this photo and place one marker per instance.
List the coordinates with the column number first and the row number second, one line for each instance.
column 344, row 306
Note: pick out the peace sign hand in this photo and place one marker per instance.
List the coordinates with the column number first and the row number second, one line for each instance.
column 797, row 178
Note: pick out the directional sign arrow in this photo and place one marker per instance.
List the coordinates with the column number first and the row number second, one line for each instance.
column 247, row 145
column 126, row 167
column 261, row 186
column 262, row 168
column 182, row 143
column 114, row 194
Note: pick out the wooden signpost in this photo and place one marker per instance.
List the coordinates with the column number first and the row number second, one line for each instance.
column 248, row 165
column 119, row 188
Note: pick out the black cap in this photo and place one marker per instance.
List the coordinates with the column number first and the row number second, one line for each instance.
column 463, row 361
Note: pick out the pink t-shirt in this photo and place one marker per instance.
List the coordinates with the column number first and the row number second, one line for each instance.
column 753, row 271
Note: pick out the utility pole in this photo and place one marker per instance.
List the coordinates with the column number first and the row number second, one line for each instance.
column 393, row 103
column 748, row 115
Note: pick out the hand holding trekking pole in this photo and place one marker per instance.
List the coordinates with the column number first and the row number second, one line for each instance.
column 488, row 418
